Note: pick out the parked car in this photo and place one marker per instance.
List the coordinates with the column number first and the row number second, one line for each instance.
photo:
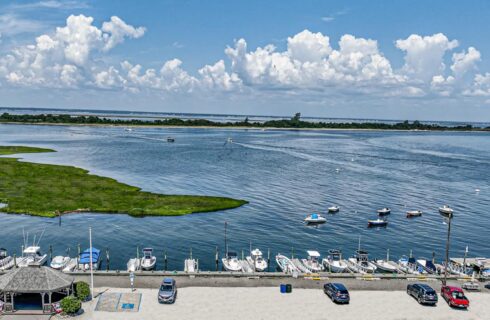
column 168, row 291
column 455, row 297
column 423, row 293
column 337, row 292
column 487, row 286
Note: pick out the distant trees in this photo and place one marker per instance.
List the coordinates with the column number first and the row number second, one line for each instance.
column 294, row 122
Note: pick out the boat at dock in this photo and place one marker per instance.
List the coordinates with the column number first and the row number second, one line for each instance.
column 445, row 210
column 427, row 265
column 134, row 264
column 190, row 265
column 32, row 256
column 409, row 265
column 59, row 262
column 414, row 213
column 315, row 218
column 384, row 211
column 385, row 265
column 148, row 261
column 256, row 260
column 377, row 223
column 333, row 209
column 312, row 263
column 231, row 262
column 84, row 260
column 334, row 262
column 360, row 263
column 6, row 261
column 285, row 264
column 71, row 265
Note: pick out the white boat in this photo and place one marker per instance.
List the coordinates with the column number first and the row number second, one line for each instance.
column 32, row 256
column 385, row 266
column 190, row 265
column 427, row 265
column 231, row 262
column 333, row 209
column 6, row 261
column 334, row 262
column 408, row 265
column 71, row 265
column 384, row 211
column 285, row 264
column 377, row 223
column 315, row 219
column 446, row 210
column 59, row 262
column 312, row 263
column 257, row 261
column 148, row 261
column 360, row 263
column 134, row 264
column 414, row 213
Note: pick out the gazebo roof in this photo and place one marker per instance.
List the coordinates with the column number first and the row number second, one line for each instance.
column 34, row 279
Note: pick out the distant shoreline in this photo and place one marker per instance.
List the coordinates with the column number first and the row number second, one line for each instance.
column 294, row 124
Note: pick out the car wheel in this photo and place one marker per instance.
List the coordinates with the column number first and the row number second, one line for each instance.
column 333, row 299
column 419, row 300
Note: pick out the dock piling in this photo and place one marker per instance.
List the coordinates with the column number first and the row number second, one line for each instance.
column 50, row 253
column 268, row 259
column 107, row 259
column 216, row 258
column 165, row 259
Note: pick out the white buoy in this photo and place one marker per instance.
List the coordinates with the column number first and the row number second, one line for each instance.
column 477, row 190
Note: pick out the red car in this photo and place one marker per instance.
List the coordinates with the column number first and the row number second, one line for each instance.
column 455, row 297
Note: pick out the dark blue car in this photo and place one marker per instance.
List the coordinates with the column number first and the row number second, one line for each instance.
column 168, row 291
column 337, row 292
column 423, row 293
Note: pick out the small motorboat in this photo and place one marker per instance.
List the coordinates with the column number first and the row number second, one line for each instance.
column 285, row 264
column 384, row 211
column 334, row 262
column 312, row 263
column 257, row 261
column 190, row 265
column 84, row 260
column 59, row 262
column 229, row 140
column 408, row 265
column 71, row 265
column 377, row 223
column 427, row 265
column 333, row 209
column 134, row 264
column 446, row 210
column 231, row 262
column 32, row 257
column 6, row 261
column 385, row 266
column 315, row 218
column 170, row 139
column 414, row 213
column 148, row 261
column 360, row 263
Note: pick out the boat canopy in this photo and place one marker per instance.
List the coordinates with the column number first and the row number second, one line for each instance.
column 312, row 253
column 85, row 256
column 314, row 216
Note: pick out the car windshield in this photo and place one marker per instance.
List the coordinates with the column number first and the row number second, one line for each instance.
column 343, row 291
column 458, row 295
column 166, row 287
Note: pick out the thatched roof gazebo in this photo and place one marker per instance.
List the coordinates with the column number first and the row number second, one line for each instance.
column 34, row 279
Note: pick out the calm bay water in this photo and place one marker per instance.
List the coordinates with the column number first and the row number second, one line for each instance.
column 284, row 174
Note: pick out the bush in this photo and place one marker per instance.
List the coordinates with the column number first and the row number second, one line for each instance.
column 82, row 290
column 70, row 304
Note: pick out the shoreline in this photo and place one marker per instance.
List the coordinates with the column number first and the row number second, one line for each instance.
column 102, row 125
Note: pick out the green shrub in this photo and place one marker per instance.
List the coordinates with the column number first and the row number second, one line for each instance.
column 82, row 290
column 70, row 304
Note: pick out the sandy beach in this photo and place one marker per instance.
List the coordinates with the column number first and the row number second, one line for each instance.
column 269, row 303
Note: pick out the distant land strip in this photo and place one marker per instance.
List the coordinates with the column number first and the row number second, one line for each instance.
column 50, row 190
column 294, row 123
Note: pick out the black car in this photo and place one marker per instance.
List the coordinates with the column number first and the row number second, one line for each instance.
column 423, row 293
column 337, row 292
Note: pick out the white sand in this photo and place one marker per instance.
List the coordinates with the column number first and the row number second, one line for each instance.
column 269, row 303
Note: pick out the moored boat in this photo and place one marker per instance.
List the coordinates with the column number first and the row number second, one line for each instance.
column 312, row 263
column 285, row 264
column 360, row 263
column 32, row 257
column 334, row 262
column 59, row 262
column 414, row 213
column 409, row 265
column 256, row 260
column 148, row 261
column 134, row 264
column 315, row 219
column 333, row 209
column 446, row 210
column 6, row 261
column 231, row 262
column 84, row 260
column 378, row 223
column 427, row 265
column 384, row 211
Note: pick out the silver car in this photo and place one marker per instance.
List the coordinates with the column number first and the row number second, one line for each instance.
column 168, row 291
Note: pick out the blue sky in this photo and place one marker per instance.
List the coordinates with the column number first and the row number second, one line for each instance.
column 363, row 59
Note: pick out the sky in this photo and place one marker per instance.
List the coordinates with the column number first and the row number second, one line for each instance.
column 415, row 60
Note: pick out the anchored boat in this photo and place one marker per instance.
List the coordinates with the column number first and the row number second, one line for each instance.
column 409, row 265
column 414, row 213
column 333, row 209
column 257, row 261
column 84, row 260
column 59, row 262
column 360, row 263
column 231, row 262
column 32, row 257
column 427, row 265
column 148, row 261
column 285, row 264
column 385, row 265
column 446, row 210
column 315, row 219
column 384, row 211
column 334, row 262
column 378, row 223
column 6, row 261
